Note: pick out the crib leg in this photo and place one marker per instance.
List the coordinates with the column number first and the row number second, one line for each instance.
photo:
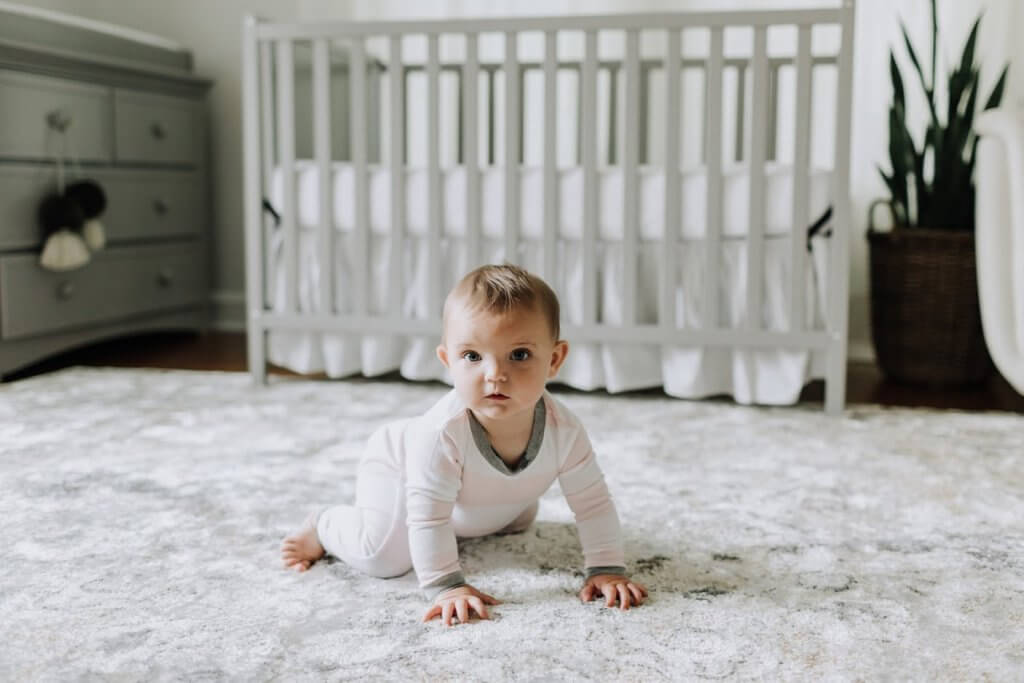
column 257, row 338
column 835, row 379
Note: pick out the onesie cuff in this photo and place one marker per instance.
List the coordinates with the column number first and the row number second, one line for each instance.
column 446, row 582
column 593, row 571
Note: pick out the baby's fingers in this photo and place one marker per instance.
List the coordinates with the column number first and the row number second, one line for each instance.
column 478, row 605
column 446, row 614
column 638, row 593
column 587, row 594
column 462, row 609
column 434, row 611
column 490, row 600
column 624, row 596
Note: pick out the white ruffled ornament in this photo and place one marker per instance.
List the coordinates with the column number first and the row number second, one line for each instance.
column 94, row 234
column 64, row 250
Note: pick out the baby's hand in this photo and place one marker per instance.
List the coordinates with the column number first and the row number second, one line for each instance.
column 613, row 586
column 458, row 601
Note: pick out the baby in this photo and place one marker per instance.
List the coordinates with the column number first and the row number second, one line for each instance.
column 477, row 462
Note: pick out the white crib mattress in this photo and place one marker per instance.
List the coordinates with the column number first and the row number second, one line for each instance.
column 763, row 376
column 692, row 193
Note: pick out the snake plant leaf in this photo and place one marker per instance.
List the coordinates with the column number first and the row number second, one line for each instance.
column 921, row 194
column 967, row 59
column 997, row 91
column 935, row 41
column 899, row 99
column 966, row 118
column 993, row 101
column 897, row 188
column 928, row 91
column 901, row 156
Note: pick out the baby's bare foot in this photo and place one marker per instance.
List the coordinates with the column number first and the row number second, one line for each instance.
column 302, row 548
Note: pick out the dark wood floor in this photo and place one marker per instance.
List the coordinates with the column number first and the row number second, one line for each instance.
column 227, row 351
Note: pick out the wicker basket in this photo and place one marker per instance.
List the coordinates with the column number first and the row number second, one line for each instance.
column 925, row 320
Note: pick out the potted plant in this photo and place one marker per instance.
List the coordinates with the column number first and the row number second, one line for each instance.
column 926, row 325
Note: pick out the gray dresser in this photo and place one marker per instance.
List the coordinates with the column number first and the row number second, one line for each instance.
column 135, row 117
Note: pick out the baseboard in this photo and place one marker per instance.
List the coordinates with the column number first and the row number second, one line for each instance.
column 228, row 311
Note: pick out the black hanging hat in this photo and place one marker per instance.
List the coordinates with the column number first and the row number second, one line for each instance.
column 90, row 196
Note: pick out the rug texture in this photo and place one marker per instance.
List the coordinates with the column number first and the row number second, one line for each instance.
column 141, row 514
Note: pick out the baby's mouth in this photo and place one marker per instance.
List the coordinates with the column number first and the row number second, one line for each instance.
column 497, row 397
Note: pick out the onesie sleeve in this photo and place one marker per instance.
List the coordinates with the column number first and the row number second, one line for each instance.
column 433, row 481
column 597, row 521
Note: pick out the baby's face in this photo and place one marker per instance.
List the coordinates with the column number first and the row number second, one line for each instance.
column 500, row 363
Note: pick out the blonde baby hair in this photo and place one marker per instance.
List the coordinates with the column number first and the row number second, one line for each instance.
column 503, row 289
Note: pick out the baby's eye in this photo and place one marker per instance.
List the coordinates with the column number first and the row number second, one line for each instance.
column 520, row 354
column 471, row 356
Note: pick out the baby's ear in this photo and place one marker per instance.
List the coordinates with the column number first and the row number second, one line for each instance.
column 442, row 355
column 558, row 355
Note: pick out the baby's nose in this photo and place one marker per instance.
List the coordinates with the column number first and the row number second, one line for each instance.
column 495, row 372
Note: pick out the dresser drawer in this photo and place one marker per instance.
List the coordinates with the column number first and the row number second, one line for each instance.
column 33, row 108
column 21, row 188
column 118, row 283
column 141, row 204
column 152, row 204
column 156, row 128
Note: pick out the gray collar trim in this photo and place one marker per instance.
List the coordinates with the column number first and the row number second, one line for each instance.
column 483, row 444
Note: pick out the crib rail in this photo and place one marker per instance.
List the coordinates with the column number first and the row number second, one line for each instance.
column 270, row 129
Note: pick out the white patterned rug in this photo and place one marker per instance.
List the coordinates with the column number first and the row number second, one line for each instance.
column 141, row 513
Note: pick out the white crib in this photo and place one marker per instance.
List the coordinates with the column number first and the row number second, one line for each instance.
column 680, row 248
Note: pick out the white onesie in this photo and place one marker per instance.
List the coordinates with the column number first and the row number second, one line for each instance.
column 427, row 480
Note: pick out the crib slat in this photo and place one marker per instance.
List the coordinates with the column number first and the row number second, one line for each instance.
column 611, row 154
column 758, row 150
column 670, row 237
column 322, row 152
column 396, row 83
column 512, row 116
column 839, row 244
column 588, row 144
column 630, row 226
column 267, row 110
column 266, row 58
column 551, row 185
column 471, row 161
column 255, row 157
column 361, row 235
column 801, row 180
column 286, row 154
column 713, row 166
column 645, row 101
column 490, row 116
column 741, row 103
column 433, row 179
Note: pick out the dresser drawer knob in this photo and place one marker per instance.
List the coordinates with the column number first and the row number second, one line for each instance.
column 165, row 277
column 158, row 131
column 160, row 207
column 65, row 290
column 58, row 120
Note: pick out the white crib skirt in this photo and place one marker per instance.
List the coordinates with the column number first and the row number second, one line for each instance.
column 771, row 377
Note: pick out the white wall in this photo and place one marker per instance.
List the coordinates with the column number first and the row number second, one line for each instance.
column 212, row 31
